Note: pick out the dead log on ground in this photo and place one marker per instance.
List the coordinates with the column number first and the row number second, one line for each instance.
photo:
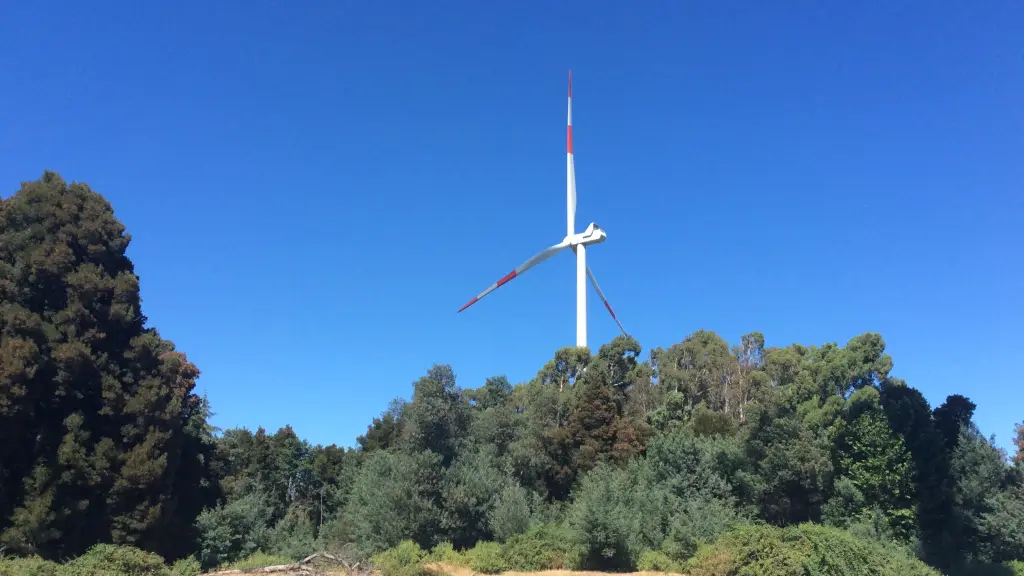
column 300, row 567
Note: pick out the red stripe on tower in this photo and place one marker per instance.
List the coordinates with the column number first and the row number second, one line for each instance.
column 568, row 135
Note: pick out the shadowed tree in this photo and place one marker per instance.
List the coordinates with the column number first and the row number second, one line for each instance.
column 910, row 417
column 983, row 484
column 437, row 419
column 394, row 497
column 109, row 429
column 600, row 427
column 495, row 421
column 950, row 418
column 492, row 394
column 470, row 491
column 790, row 470
column 542, row 454
column 385, row 431
column 876, row 461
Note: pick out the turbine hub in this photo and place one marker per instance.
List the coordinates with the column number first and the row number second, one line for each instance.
column 592, row 235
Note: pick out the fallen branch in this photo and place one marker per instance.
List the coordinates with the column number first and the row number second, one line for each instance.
column 293, row 568
column 300, row 566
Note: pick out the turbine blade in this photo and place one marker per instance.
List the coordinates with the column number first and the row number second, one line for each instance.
column 537, row 259
column 570, row 171
column 605, row 300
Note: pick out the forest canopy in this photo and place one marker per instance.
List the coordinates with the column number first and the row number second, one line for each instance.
column 606, row 459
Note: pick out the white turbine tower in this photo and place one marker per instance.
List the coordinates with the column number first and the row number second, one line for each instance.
column 577, row 242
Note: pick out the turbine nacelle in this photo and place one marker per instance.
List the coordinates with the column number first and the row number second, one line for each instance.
column 592, row 235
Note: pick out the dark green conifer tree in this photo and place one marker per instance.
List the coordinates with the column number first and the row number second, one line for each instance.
column 104, row 437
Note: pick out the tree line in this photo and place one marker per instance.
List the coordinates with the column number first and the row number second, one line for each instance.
column 104, row 439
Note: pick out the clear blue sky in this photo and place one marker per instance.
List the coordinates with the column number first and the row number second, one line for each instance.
column 314, row 188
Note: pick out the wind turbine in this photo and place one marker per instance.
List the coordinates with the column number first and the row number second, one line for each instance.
column 577, row 242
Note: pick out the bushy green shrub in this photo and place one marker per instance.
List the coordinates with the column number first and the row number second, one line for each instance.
column 510, row 514
column 334, row 537
column 657, row 561
column 445, row 553
column 234, row 530
column 382, row 514
column 33, row 566
column 618, row 513
column 698, row 521
column 543, row 547
column 486, row 557
column 111, row 560
column 1002, row 525
column 186, row 567
column 294, row 536
column 102, row 559
column 806, row 549
column 545, row 512
column 405, row 559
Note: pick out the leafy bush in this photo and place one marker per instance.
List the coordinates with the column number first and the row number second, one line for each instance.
column 693, row 467
column 382, row 514
column 486, row 557
column 807, row 549
column 32, row 566
column 545, row 512
column 405, row 559
column 186, row 567
column 105, row 559
column 674, row 499
column 617, row 514
column 111, row 560
column 698, row 521
column 657, row 561
column 334, row 537
column 510, row 514
column 470, row 489
column 1002, row 526
column 445, row 553
column 294, row 536
column 235, row 530
column 543, row 547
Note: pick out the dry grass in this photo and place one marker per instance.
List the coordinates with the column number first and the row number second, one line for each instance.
column 464, row 571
